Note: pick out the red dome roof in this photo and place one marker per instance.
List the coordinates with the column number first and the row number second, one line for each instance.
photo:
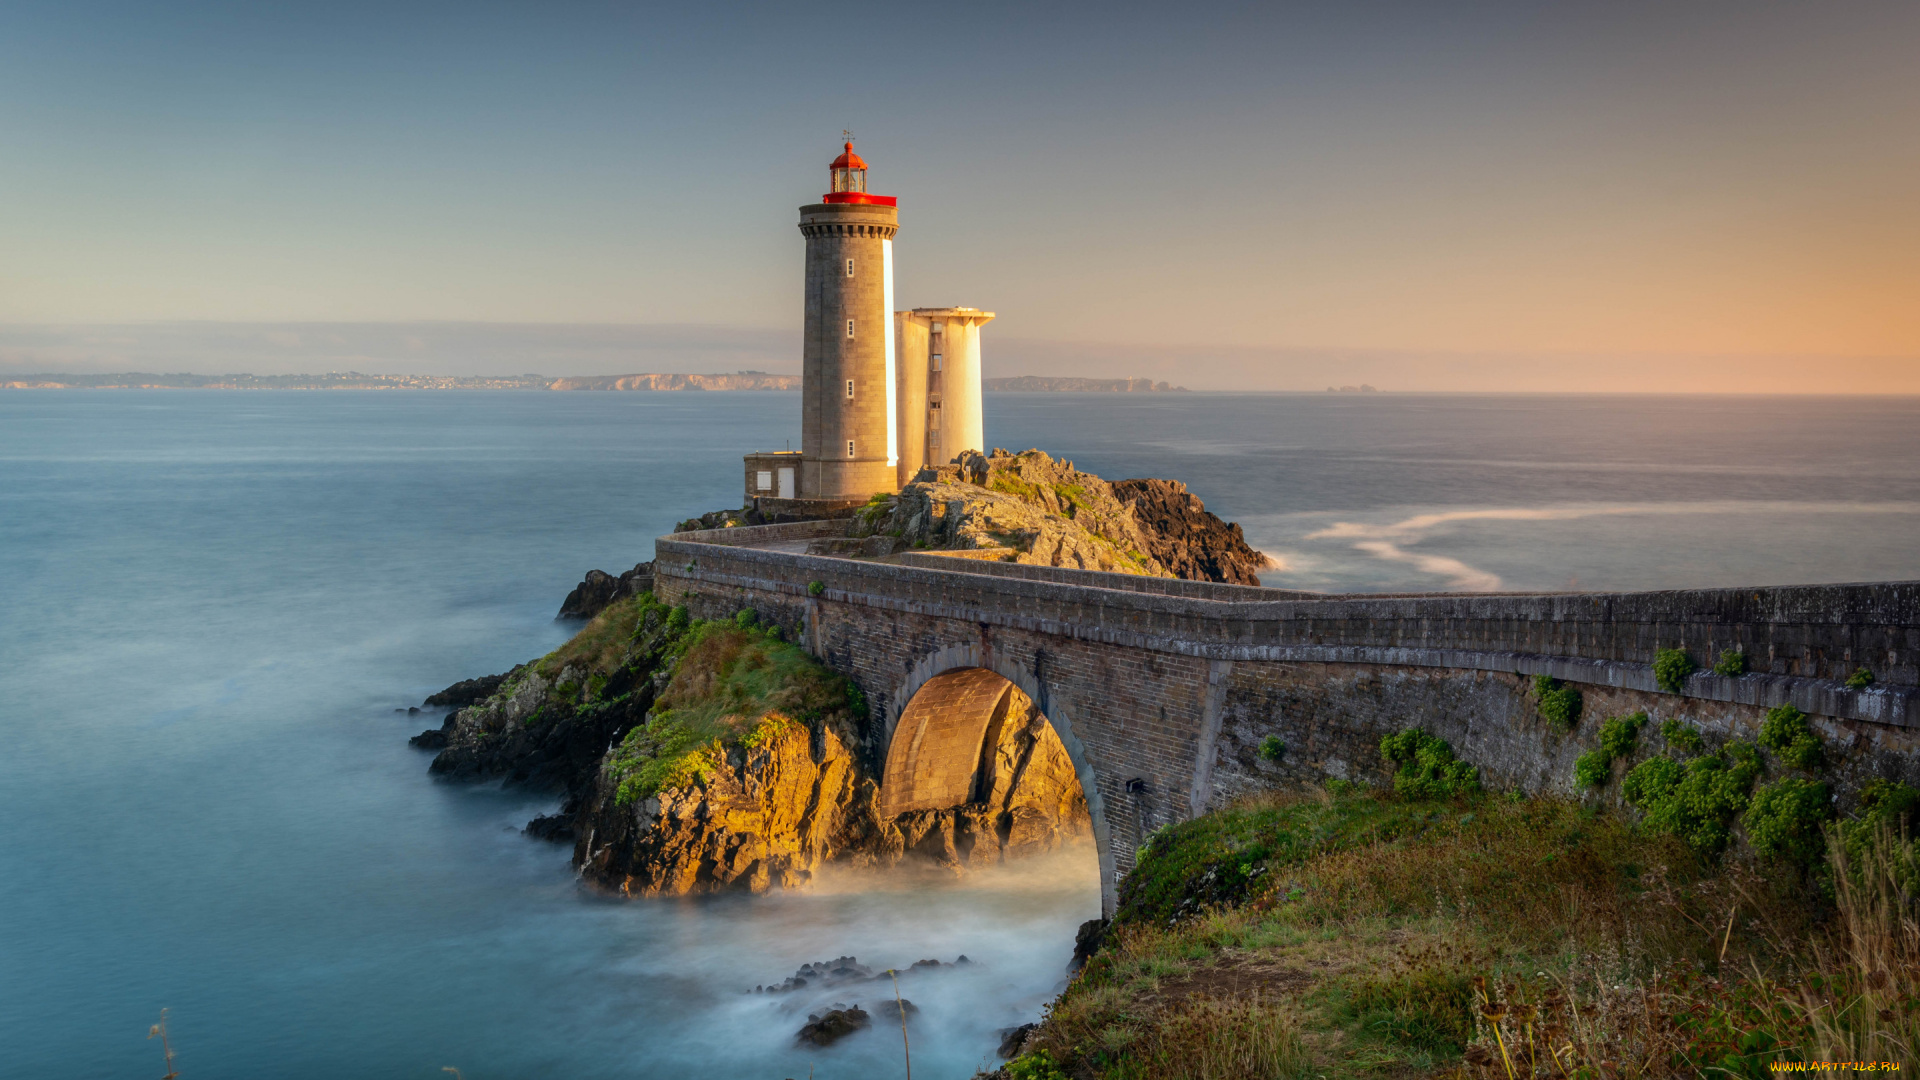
column 848, row 160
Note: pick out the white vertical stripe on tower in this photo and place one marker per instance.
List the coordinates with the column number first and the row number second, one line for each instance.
column 893, row 396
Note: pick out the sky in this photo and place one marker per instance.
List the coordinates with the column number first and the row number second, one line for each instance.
column 1614, row 196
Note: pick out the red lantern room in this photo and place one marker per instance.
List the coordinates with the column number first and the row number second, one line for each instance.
column 847, row 177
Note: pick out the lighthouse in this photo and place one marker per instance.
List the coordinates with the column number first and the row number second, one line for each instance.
column 882, row 392
column 849, row 426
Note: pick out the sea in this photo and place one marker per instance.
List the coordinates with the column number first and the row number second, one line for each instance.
column 218, row 607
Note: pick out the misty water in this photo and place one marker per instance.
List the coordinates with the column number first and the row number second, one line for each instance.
column 211, row 604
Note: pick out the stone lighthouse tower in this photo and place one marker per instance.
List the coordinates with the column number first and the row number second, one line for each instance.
column 849, row 427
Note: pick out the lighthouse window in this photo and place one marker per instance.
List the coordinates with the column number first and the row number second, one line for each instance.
column 849, row 327
column 936, row 361
column 939, row 327
column 849, row 267
column 849, row 387
column 849, row 447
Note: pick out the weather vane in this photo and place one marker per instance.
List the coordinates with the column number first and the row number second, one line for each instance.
column 848, row 134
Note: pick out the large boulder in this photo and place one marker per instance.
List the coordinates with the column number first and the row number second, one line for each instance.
column 592, row 595
column 1185, row 538
column 1025, row 508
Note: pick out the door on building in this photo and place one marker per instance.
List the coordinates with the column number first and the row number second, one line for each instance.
column 786, row 482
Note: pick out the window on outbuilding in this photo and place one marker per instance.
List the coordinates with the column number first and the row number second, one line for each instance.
column 763, row 480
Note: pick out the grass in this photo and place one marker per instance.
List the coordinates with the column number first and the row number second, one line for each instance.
column 1439, row 930
column 602, row 645
column 1483, row 936
column 1359, row 920
column 734, row 685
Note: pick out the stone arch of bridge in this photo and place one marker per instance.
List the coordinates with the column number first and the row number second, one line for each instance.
column 949, row 702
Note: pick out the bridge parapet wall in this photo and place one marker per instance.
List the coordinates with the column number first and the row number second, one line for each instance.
column 1801, row 642
column 1164, row 701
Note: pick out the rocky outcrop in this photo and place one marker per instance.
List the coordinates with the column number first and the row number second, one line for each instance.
column 707, row 757
column 592, row 595
column 469, row 691
column 1034, row 509
column 769, row 512
column 769, row 817
column 772, row 815
column 1182, row 536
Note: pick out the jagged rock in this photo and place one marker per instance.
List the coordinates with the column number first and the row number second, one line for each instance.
column 469, row 691
column 553, row 828
column 802, row 798
column 592, row 595
column 1185, row 538
column 889, row 1009
column 754, row 515
column 1035, row 509
column 834, row 1025
column 430, row 739
column 1092, row 934
column 765, row 814
column 1014, row 1039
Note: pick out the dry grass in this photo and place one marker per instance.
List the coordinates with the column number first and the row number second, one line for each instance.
column 602, row 645
column 1497, row 938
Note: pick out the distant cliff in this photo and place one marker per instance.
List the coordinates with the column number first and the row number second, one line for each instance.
column 1061, row 382
column 356, row 380
column 754, row 380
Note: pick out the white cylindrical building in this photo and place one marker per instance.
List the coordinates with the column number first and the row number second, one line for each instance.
column 939, row 385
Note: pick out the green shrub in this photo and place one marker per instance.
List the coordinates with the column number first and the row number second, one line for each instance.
column 1883, row 804
column 596, row 684
column 1426, row 766
column 1618, row 735
column 1787, row 733
column 1671, row 668
column 1860, row 679
column 815, row 588
column 1681, row 736
column 568, row 692
column 1732, row 662
column 745, row 618
column 1696, row 802
column 1561, row 706
column 679, row 619
column 1592, row 768
column 1272, row 749
column 1785, row 820
column 1038, row 1065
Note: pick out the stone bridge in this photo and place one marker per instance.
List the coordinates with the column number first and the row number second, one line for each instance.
column 1165, row 691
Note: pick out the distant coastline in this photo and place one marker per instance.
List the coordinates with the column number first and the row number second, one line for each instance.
column 1046, row 383
column 356, row 380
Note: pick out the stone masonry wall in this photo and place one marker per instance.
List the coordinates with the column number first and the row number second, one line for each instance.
column 1163, row 700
